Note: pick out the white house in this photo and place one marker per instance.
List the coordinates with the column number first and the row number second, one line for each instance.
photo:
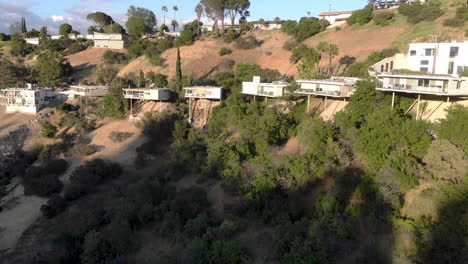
column 88, row 90
column 396, row 62
column 389, row 4
column 438, row 58
column 204, row 92
column 433, row 84
column 154, row 94
column 32, row 41
column 268, row 25
column 256, row 88
column 335, row 16
column 25, row 100
column 339, row 87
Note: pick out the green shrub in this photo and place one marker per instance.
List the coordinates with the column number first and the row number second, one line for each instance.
column 249, row 42
column 114, row 57
column 119, row 137
column 383, row 18
column 453, row 22
column 55, row 205
column 462, row 13
column 224, row 51
column 420, row 12
column 160, row 80
column 75, row 47
column 94, row 172
column 231, row 35
column 41, row 182
column 361, row 17
column 358, row 69
column 455, row 127
column 48, row 130
column 290, row 44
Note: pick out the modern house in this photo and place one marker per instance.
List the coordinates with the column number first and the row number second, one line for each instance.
column 389, row 4
column 396, row 62
column 88, row 90
column 204, row 92
column 256, row 88
column 433, row 87
column 32, row 41
column 25, row 100
column 332, row 92
column 335, row 16
column 338, row 87
column 438, row 58
column 154, row 94
column 108, row 40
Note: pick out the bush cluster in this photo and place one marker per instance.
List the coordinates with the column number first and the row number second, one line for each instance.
column 225, row 51
column 43, row 180
column 383, row 18
column 361, row 17
column 249, row 42
column 418, row 12
column 114, row 57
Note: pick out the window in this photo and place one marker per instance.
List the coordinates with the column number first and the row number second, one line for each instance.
column 423, row 82
column 429, row 52
column 424, row 62
column 450, row 67
column 459, row 84
column 453, row 52
column 391, row 65
column 424, row 69
column 459, row 69
column 412, row 53
column 381, row 68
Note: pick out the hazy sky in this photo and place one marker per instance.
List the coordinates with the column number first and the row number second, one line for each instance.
column 52, row 13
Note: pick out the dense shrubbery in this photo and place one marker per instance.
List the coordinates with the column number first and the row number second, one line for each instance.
column 249, row 42
column 114, row 57
column 383, row 18
column 48, row 130
column 43, row 180
column 417, row 12
column 454, row 128
column 307, row 27
column 361, row 17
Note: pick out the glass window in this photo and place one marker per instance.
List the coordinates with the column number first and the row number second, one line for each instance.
column 391, row 65
column 450, row 67
column 423, row 82
column 453, row 52
column 459, row 69
column 424, row 69
column 412, row 53
column 424, row 62
column 429, row 52
column 381, row 68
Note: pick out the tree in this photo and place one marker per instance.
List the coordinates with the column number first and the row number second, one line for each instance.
column 175, row 8
column 236, row 7
column 455, row 127
column 199, row 12
column 15, row 28
column 43, row 33
column 48, row 130
column 174, row 24
column 100, row 20
column 261, row 21
column 330, row 49
column 164, row 9
column 51, row 68
column 360, row 17
column 178, row 73
column 115, row 105
column 114, row 28
column 140, row 21
column 277, row 21
column 217, row 10
column 23, row 25
column 65, row 29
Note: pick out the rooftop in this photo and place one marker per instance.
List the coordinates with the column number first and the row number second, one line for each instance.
column 144, row 89
column 332, row 80
column 335, row 13
column 419, row 75
column 202, row 87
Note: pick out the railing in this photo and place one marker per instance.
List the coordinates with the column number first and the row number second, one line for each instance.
column 323, row 92
column 403, row 87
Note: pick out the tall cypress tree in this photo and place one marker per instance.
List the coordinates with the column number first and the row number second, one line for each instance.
column 178, row 73
column 23, row 25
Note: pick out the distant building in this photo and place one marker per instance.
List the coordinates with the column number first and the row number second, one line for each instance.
column 396, row 62
column 256, row 88
column 88, row 90
column 154, row 94
column 204, row 92
column 25, row 100
column 389, row 4
column 335, row 16
column 108, row 40
column 32, row 41
column 268, row 25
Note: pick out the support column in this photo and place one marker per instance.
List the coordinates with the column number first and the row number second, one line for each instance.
column 131, row 107
column 417, row 109
column 325, row 105
column 393, row 99
column 266, row 100
column 308, row 103
column 190, row 110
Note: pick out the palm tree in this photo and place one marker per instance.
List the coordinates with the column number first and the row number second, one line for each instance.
column 175, row 8
column 174, row 24
column 164, row 9
column 332, row 52
column 199, row 12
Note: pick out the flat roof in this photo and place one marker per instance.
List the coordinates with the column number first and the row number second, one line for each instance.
column 333, row 80
column 335, row 13
column 421, row 75
column 202, row 87
column 143, row 89
column 89, row 86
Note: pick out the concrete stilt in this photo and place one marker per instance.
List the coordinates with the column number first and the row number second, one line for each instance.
column 417, row 109
column 393, row 99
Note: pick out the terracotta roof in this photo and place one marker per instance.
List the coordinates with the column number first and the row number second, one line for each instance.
column 335, row 13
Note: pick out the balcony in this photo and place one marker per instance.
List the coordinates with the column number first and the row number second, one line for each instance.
column 318, row 92
column 415, row 88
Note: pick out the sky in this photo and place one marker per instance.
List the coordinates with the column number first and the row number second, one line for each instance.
column 52, row 13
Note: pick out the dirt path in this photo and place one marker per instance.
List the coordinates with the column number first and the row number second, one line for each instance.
column 412, row 196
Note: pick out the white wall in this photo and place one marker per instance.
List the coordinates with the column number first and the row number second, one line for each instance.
column 442, row 59
column 332, row 18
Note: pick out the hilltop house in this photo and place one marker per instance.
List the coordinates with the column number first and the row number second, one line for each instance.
column 256, row 88
column 25, row 100
column 154, row 94
column 335, row 16
column 267, row 25
column 108, row 40
column 389, row 4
